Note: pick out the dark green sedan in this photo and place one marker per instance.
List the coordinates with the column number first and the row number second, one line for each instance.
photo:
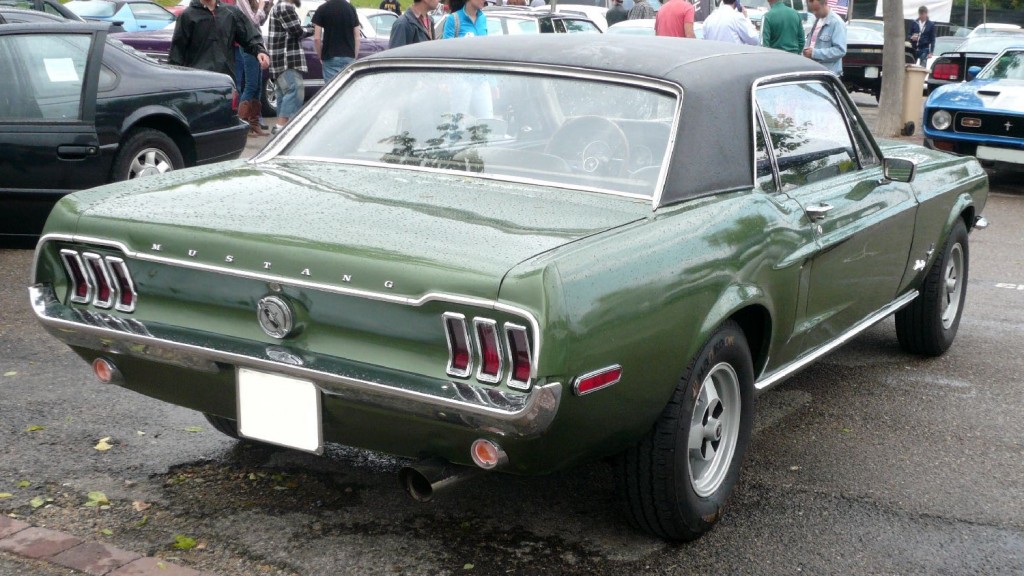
column 519, row 254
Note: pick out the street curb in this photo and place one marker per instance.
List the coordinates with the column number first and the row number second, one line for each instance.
column 69, row 551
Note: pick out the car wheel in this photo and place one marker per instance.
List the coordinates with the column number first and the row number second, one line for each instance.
column 146, row 152
column 676, row 480
column 268, row 99
column 223, row 425
column 928, row 325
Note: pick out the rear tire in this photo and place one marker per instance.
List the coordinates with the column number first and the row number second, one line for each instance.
column 676, row 480
column 144, row 152
column 928, row 325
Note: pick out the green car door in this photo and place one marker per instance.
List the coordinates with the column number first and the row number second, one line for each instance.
column 863, row 225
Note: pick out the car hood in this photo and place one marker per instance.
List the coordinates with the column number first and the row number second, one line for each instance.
column 980, row 94
column 386, row 230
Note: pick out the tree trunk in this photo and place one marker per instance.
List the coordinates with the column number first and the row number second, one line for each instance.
column 890, row 104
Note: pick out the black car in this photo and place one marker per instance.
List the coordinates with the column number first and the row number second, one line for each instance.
column 862, row 65
column 55, row 8
column 952, row 67
column 78, row 110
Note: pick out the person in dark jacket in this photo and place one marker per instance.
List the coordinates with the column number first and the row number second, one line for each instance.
column 391, row 5
column 922, row 36
column 616, row 13
column 415, row 25
column 205, row 33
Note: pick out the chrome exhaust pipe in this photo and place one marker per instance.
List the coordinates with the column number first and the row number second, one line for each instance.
column 423, row 479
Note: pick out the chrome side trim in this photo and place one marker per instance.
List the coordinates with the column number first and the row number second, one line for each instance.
column 581, row 378
column 93, row 264
column 321, row 286
column 477, row 323
column 457, row 321
column 788, row 370
column 512, row 382
column 484, row 409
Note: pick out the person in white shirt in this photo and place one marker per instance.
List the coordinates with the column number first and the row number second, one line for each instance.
column 726, row 24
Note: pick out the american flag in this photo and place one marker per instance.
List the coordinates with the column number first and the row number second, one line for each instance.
column 841, row 7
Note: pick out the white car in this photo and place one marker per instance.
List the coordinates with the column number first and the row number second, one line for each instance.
column 993, row 28
column 373, row 22
column 595, row 14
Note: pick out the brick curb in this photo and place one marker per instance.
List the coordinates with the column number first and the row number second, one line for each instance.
column 94, row 558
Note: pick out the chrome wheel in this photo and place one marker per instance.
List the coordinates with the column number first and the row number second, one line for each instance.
column 952, row 285
column 714, row 429
column 149, row 161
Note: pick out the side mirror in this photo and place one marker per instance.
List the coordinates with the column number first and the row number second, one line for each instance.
column 972, row 72
column 899, row 169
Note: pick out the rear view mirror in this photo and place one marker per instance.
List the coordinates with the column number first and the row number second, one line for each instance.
column 899, row 169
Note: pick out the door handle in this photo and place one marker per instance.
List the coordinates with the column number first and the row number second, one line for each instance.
column 818, row 211
column 76, row 152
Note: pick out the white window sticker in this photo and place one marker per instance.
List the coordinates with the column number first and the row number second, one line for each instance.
column 60, row 69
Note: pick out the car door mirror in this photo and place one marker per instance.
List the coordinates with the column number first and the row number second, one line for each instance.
column 899, row 169
column 972, row 72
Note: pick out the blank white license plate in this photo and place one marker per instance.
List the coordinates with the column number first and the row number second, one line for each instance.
column 871, row 72
column 279, row 410
column 1000, row 154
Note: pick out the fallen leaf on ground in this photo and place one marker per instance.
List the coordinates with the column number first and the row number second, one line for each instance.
column 467, row 567
column 35, row 428
column 11, row 373
column 39, row 501
column 107, row 532
column 142, row 522
column 24, row 484
column 139, row 505
column 97, row 499
column 182, row 542
column 104, row 444
column 5, row 494
column 193, row 429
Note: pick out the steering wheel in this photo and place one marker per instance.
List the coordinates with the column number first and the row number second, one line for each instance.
column 592, row 145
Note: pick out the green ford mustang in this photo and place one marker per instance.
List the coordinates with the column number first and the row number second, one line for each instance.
column 519, row 254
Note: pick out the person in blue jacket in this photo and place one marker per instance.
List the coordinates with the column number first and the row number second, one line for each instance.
column 922, row 36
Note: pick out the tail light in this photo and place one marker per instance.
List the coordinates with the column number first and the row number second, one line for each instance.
column 946, row 71
column 489, row 349
column 103, row 281
column 234, row 100
column 519, row 356
column 460, row 356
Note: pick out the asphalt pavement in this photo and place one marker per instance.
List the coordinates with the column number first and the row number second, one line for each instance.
column 871, row 461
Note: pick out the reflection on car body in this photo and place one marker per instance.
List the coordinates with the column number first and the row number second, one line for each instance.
column 533, row 257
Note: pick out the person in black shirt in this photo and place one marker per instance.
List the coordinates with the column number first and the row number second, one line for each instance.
column 392, row 5
column 205, row 32
column 336, row 35
column 616, row 13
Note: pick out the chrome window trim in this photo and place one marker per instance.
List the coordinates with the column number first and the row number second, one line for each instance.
column 65, row 254
column 320, row 286
column 112, row 291
column 461, row 320
column 307, row 114
column 598, row 372
column 119, row 263
column 480, row 376
column 510, row 381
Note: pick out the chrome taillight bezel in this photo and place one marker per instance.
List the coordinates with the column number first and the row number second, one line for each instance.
column 99, row 276
column 480, row 374
column 511, row 381
column 75, row 269
column 455, row 322
column 119, row 271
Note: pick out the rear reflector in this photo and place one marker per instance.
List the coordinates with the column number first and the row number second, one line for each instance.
column 946, row 71
column 490, row 350
column 98, row 277
column 81, row 290
column 460, row 357
column 519, row 357
column 597, row 380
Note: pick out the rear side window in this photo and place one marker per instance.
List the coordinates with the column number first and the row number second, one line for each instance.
column 47, row 72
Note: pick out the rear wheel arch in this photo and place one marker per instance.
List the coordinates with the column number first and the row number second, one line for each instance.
column 169, row 125
column 756, row 322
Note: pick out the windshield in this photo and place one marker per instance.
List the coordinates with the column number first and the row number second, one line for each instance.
column 857, row 34
column 947, row 44
column 91, row 8
column 1007, row 66
column 565, row 131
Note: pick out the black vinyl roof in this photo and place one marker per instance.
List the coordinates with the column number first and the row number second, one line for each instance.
column 714, row 148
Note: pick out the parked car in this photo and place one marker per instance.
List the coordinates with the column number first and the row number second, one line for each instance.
column 862, row 65
column 157, row 45
column 510, row 20
column 53, row 8
column 592, row 10
column 134, row 15
column 67, row 126
column 645, row 27
column 376, row 23
column 983, row 117
column 606, row 268
column 992, row 28
column 178, row 8
column 951, row 67
column 943, row 44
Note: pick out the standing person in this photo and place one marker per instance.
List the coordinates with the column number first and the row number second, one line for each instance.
column 922, row 36
column 204, row 35
column 287, row 61
column 391, row 6
column 616, row 13
column 336, row 34
column 248, row 72
column 641, row 10
column 826, row 43
column 469, row 21
column 415, row 25
column 674, row 19
column 726, row 24
column 782, row 29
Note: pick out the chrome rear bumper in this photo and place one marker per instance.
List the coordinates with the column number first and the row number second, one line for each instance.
column 514, row 414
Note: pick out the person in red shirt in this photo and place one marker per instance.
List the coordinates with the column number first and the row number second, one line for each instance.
column 675, row 19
